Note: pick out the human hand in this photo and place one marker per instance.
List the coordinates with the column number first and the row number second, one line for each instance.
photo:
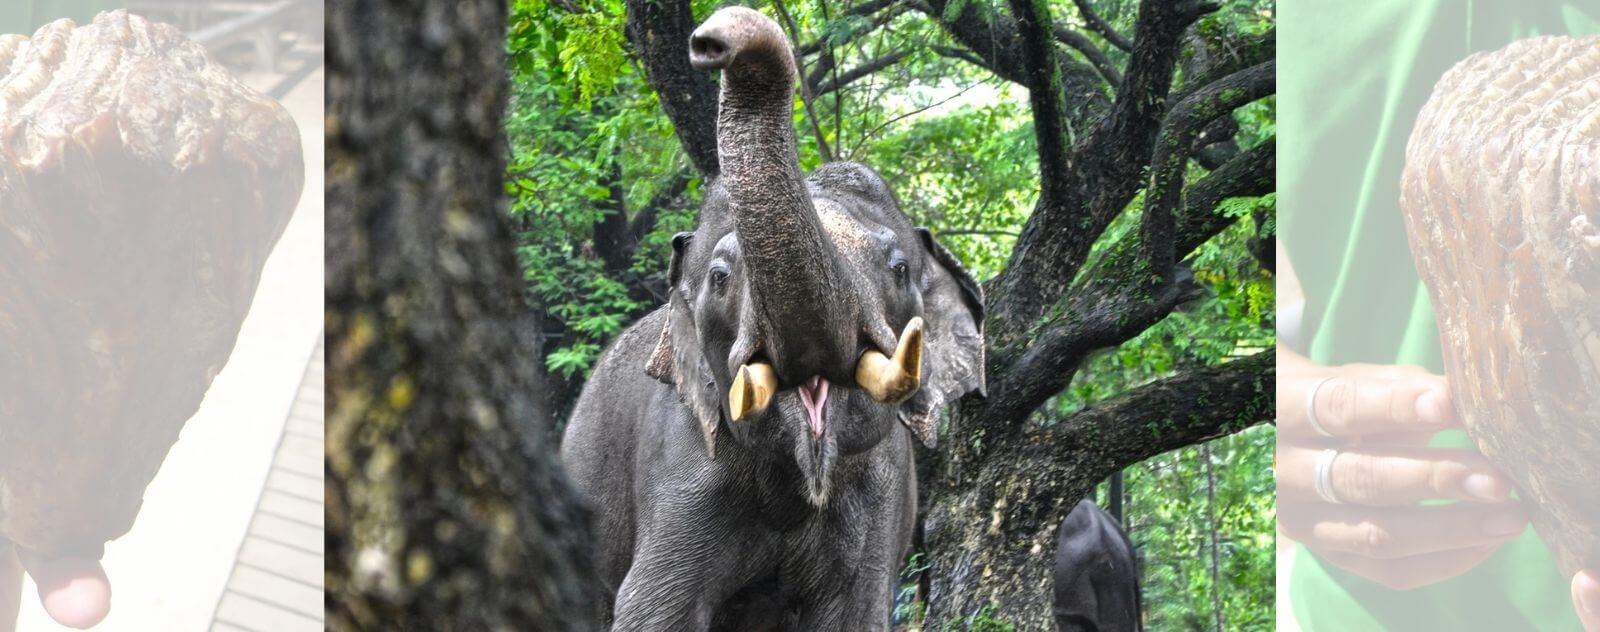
column 1365, row 437
column 1586, row 598
column 74, row 592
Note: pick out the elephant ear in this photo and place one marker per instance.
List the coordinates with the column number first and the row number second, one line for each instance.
column 676, row 359
column 953, row 362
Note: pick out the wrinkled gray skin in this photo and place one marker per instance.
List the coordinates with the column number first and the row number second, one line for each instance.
column 709, row 523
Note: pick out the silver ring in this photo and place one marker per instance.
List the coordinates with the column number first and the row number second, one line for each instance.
column 1311, row 408
column 1322, row 477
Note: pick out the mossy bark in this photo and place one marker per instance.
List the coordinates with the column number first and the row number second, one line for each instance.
column 446, row 506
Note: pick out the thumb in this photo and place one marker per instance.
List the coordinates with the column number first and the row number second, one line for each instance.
column 1586, row 598
column 75, row 592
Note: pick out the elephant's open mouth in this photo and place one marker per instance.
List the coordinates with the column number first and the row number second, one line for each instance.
column 814, row 396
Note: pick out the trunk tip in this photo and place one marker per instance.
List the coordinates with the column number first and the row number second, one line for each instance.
column 733, row 30
column 708, row 51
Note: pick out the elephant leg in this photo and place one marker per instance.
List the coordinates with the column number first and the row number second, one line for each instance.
column 864, row 604
column 682, row 574
column 661, row 593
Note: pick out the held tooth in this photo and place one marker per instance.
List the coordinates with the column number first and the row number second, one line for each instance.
column 892, row 380
column 752, row 390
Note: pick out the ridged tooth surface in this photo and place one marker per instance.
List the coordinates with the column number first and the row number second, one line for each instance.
column 137, row 179
column 1500, row 198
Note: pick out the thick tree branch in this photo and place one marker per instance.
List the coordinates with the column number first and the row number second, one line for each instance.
column 993, row 38
column 659, row 31
column 1165, row 415
column 1097, row 58
column 1100, row 26
column 1043, row 80
column 1159, row 35
column 1184, row 123
column 1228, row 57
column 1116, row 298
column 1105, row 174
column 1215, row 144
column 1247, row 174
column 963, row 55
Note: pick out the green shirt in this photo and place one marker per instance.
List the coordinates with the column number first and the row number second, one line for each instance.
column 1351, row 78
column 26, row 16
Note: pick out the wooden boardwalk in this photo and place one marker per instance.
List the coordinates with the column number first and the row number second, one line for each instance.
column 276, row 584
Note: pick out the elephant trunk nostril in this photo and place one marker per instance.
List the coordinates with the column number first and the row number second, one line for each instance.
column 708, row 51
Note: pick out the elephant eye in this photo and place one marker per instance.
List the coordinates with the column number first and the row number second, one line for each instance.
column 901, row 270
column 719, row 277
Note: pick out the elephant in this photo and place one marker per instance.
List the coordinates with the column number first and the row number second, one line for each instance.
column 1096, row 574
column 747, row 448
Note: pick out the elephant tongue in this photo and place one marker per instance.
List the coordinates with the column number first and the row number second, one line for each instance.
column 814, row 395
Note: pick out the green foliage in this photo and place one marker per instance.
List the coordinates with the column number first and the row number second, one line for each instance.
column 908, row 609
column 587, row 141
column 988, row 620
column 1167, row 511
column 977, row 198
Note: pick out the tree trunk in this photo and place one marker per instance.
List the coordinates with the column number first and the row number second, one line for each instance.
column 1212, row 536
column 991, row 544
column 446, row 506
column 995, row 504
column 1506, row 233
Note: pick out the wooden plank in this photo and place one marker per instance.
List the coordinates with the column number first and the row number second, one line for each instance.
column 300, row 455
column 289, row 532
column 283, row 560
column 308, row 411
column 277, row 578
column 305, row 428
column 278, row 590
column 234, row 28
column 254, row 614
column 296, row 485
column 292, row 507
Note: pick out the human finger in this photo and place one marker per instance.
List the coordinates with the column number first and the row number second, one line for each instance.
column 1407, row 573
column 1343, row 404
column 1399, row 532
column 1586, row 598
column 75, row 592
column 1390, row 476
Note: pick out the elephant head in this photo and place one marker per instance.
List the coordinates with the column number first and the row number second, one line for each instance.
column 807, row 315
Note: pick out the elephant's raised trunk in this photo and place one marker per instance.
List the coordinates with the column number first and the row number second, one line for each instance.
column 795, row 288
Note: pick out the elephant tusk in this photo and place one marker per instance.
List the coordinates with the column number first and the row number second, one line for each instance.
column 752, row 390
column 892, row 380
